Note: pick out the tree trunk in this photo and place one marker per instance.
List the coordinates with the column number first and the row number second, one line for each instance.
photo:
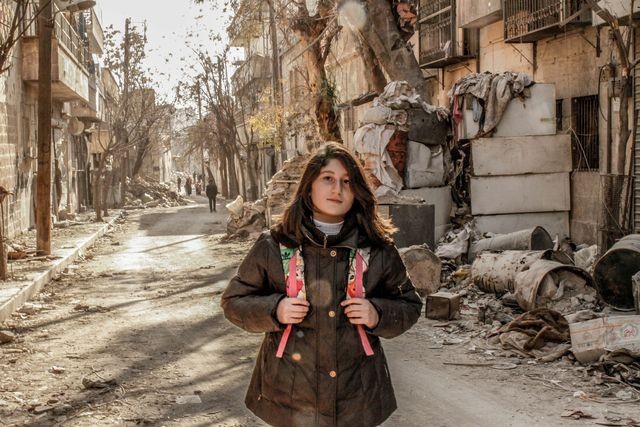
column 393, row 53
column 373, row 73
column 232, row 176
column 97, row 188
column 3, row 254
column 141, row 153
column 253, row 161
column 222, row 167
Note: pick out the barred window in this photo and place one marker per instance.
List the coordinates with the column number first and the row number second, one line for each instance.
column 585, row 138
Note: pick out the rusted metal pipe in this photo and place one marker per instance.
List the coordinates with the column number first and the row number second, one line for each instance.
column 496, row 273
column 613, row 273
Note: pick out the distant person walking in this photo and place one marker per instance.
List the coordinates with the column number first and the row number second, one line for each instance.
column 187, row 186
column 212, row 192
column 179, row 185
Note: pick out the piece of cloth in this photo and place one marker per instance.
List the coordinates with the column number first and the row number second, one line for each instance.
column 370, row 144
column 539, row 333
column 324, row 378
column 495, row 91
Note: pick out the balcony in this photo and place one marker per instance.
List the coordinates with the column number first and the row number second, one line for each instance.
column 478, row 13
column 527, row 21
column 69, row 77
column 94, row 31
column 88, row 111
column 255, row 71
column 618, row 8
column 441, row 42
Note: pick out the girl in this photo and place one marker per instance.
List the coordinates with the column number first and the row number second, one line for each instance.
column 324, row 285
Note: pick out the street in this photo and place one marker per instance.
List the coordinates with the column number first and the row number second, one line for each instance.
column 135, row 335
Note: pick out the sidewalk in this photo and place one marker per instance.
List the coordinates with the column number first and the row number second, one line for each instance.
column 28, row 276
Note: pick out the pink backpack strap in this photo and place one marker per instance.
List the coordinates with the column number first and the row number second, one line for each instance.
column 291, row 293
column 364, row 339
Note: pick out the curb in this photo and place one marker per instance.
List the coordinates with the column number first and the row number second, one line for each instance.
column 24, row 294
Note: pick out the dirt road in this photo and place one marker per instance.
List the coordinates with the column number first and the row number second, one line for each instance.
column 134, row 335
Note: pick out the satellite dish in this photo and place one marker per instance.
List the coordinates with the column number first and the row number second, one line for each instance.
column 76, row 127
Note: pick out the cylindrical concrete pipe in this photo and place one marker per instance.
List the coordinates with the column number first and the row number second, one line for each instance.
column 535, row 239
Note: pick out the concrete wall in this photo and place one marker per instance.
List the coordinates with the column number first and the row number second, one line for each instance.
column 17, row 146
column 585, row 203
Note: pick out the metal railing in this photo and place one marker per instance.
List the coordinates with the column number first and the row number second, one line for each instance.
column 63, row 31
column 441, row 42
column 524, row 17
column 586, row 136
column 256, row 67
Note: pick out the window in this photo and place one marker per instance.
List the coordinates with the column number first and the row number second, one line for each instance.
column 585, row 136
column 559, row 115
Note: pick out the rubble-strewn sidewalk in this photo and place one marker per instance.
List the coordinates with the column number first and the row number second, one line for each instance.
column 27, row 276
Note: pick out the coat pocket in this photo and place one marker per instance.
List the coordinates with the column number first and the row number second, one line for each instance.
column 278, row 373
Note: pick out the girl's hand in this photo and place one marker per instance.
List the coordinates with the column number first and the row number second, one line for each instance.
column 292, row 310
column 361, row 312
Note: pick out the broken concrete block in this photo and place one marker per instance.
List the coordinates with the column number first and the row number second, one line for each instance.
column 443, row 306
column 424, row 268
column 6, row 337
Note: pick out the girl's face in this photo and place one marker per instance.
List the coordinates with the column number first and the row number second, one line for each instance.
column 331, row 193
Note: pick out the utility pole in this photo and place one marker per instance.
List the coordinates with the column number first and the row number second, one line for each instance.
column 43, row 179
column 201, row 139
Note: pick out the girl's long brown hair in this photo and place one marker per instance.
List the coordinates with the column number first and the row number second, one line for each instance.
column 365, row 209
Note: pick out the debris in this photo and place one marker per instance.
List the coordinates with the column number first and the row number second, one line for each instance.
column 191, row 398
column 30, row 308
column 613, row 272
column 90, row 308
column 147, row 192
column 88, row 383
column 591, row 339
column 496, row 273
column 577, row 414
column 6, row 337
column 282, row 186
column 497, row 365
column 457, row 246
column 245, row 218
column 424, row 268
column 42, row 409
column 57, row 370
column 491, row 310
column 443, row 306
column 535, row 239
column 585, row 258
column 542, row 334
column 425, row 166
column 563, row 288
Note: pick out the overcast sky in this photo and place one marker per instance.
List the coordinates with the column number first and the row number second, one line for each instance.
column 169, row 25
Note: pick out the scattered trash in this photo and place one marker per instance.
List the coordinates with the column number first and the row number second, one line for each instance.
column 30, row 308
column 191, row 398
column 585, row 258
column 591, row 339
column 457, row 246
column 90, row 308
column 98, row 384
column 542, row 334
column 57, row 370
column 577, row 414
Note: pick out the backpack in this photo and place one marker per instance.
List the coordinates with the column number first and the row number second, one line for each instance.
column 293, row 266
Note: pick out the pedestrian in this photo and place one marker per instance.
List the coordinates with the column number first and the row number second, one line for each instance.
column 198, row 187
column 179, row 184
column 212, row 192
column 324, row 285
column 187, row 186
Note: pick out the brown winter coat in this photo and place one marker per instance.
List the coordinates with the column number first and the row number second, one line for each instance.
column 324, row 377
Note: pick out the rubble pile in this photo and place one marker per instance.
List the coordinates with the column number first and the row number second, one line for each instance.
column 148, row 193
column 533, row 298
column 283, row 185
column 245, row 218
column 401, row 141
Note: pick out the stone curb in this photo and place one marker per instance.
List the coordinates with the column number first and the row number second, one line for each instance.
column 24, row 294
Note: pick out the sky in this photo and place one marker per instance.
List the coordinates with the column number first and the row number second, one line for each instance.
column 169, row 25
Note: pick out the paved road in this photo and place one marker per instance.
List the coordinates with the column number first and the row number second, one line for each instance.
column 141, row 316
